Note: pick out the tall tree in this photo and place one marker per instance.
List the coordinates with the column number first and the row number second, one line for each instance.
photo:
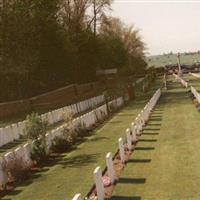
column 99, row 8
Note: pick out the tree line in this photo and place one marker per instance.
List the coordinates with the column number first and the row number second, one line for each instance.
column 46, row 44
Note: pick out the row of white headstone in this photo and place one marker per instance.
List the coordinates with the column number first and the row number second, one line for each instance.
column 195, row 75
column 23, row 153
column 195, row 93
column 183, row 82
column 132, row 136
column 13, row 132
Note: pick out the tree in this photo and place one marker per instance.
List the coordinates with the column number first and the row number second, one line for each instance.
column 130, row 45
column 99, row 8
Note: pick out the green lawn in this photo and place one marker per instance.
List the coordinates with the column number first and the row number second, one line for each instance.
column 193, row 81
column 72, row 172
column 162, row 60
column 165, row 164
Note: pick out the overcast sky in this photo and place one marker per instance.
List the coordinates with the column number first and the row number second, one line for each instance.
column 165, row 25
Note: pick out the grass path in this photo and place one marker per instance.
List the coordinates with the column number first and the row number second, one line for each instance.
column 193, row 81
column 166, row 162
column 72, row 172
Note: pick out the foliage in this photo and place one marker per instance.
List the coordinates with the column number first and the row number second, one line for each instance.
column 62, row 41
column 69, row 134
column 60, row 145
column 35, row 129
column 16, row 170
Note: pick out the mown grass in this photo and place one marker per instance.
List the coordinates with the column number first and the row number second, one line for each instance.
column 71, row 173
column 162, row 60
column 193, row 81
column 165, row 164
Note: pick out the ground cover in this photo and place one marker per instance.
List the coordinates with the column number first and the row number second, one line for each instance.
column 162, row 60
column 165, row 164
column 72, row 172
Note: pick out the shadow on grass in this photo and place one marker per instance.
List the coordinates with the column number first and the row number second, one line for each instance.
column 155, row 119
column 148, row 140
column 144, row 148
column 11, row 145
column 132, row 180
column 151, row 129
column 150, row 133
column 78, row 161
column 139, row 161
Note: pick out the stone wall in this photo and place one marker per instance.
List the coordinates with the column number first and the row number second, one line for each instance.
column 51, row 100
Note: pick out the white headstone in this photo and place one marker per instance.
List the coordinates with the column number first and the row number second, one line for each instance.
column 134, row 136
column 10, row 158
column 99, row 183
column 77, row 197
column 19, row 154
column 3, row 174
column 15, row 131
column 27, row 154
column 121, row 150
column 2, row 138
column 129, row 139
column 110, row 167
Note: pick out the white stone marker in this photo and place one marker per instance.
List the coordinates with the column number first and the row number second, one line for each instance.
column 27, row 154
column 3, row 174
column 109, row 163
column 19, row 154
column 134, row 137
column 77, row 197
column 121, row 149
column 99, row 183
column 129, row 139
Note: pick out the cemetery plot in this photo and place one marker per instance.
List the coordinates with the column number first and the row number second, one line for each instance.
column 72, row 172
column 165, row 164
column 194, row 81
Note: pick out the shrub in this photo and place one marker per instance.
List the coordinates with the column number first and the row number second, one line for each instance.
column 81, row 130
column 39, row 152
column 35, row 127
column 68, row 116
column 60, row 145
column 16, row 170
column 35, row 130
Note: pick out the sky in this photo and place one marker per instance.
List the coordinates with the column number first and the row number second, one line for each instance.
column 164, row 25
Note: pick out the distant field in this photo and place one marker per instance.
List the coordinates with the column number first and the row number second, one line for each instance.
column 162, row 60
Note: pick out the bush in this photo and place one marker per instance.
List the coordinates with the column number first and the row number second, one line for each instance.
column 35, row 130
column 16, row 170
column 39, row 152
column 81, row 130
column 35, row 127
column 60, row 145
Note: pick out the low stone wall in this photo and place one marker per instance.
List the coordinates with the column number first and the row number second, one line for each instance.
column 51, row 100
column 13, row 108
